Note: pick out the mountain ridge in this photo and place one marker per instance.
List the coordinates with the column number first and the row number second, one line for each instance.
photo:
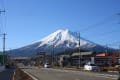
column 60, row 40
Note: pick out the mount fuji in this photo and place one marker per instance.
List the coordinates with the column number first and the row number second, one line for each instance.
column 60, row 40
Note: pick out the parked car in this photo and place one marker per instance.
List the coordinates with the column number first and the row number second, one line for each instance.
column 91, row 67
column 47, row 65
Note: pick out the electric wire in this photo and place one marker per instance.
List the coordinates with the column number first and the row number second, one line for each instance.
column 104, row 21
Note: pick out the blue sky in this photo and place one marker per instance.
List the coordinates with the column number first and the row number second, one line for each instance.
column 27, row 21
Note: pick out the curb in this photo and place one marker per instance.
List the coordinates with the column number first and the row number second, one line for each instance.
column 13, row 75
column 34, row 78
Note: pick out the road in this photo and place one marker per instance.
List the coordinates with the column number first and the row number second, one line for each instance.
column 58, row 74
column 7, row 74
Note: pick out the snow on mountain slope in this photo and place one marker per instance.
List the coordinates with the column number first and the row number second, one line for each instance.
column 61, row 40
column 60, row 36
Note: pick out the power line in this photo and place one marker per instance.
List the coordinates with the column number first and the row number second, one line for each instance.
column 100, row 24
column 106, row 33
column 117, row 43
column 2, row 11
column 106, row 20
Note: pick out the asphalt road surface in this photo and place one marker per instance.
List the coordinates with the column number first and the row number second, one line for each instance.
column 58, row 74
column 7, row 74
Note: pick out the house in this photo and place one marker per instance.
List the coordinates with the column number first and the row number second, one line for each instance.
column 39, row 58
column 64, row 60
column 107, row 58
column 82, row 58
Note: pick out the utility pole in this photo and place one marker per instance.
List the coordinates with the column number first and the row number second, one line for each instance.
column 4, row 37
column 79, row 50
column 53, row 54
column 3, row 11
column 119, row 55
column 106, row 50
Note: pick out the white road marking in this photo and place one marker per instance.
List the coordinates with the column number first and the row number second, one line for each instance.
column 34, row 78
column 90, row 74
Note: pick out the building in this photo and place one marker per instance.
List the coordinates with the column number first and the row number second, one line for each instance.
column 108, row 59
column 101, row 58
column 39, row 58
column 82, row 58
column 64, row 60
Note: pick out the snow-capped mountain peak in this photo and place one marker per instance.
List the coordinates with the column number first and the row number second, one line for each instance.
column 61, row 40
column 63, row 37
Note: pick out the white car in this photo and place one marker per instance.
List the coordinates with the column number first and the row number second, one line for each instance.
column 47, row 65
column 91, row 67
